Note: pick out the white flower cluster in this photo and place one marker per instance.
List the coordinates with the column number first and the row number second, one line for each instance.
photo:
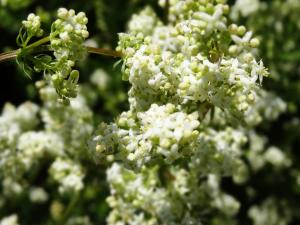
column 38, row 195
column 100, row 79
column 144, row 22
column 10, row 220
column 73, row 123
column 36, row 139
column 259, row 112
column 258, row 154
column 33, row 146
column 277, row 157
column 33, row 25
column 279, row 18
column 178, row 73
column 218, row 151
column 68, row 174
column 181, row 74
column 245, row 8
column 270, row 212
column 11, row 186
column 72, row 31
column 199, row 59
column 24, row 117
column 13, row 122
column 170, row 129
column 160, row 132
column 147, row 198
column 67, row 36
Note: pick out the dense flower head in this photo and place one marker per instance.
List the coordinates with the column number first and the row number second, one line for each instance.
column 73, row 123
column 148, row 198
column 268, row 213
column 144, row 22
column 194, row 81
column 259, row 112
column 218, row 151
column 161, row 132
column 33, row 25
column 199, row 58
column 67, row 36
column 68, row 33
column 275, row 22
column 33, row 146
column 14, row 121
column 68, row 174
column 179, row 71
column 10, row 220
column 31, row 135
column 38, row 195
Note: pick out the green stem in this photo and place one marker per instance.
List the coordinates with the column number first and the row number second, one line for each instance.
column 27, row 40
column 39, row 42
column 69, row 209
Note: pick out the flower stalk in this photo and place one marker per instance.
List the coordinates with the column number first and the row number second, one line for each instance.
column 12, row 55
column 7, row 56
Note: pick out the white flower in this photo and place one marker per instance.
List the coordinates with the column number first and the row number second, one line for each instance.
column 276, row 157
column 10, row 220
column 38, row 194
column 245, row 8
column 33, row 24
column 68, row 174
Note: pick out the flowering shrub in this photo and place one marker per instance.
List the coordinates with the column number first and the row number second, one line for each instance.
column 195, row 139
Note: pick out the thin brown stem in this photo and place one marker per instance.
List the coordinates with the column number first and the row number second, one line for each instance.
column 103, row 51
column 7, row 56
